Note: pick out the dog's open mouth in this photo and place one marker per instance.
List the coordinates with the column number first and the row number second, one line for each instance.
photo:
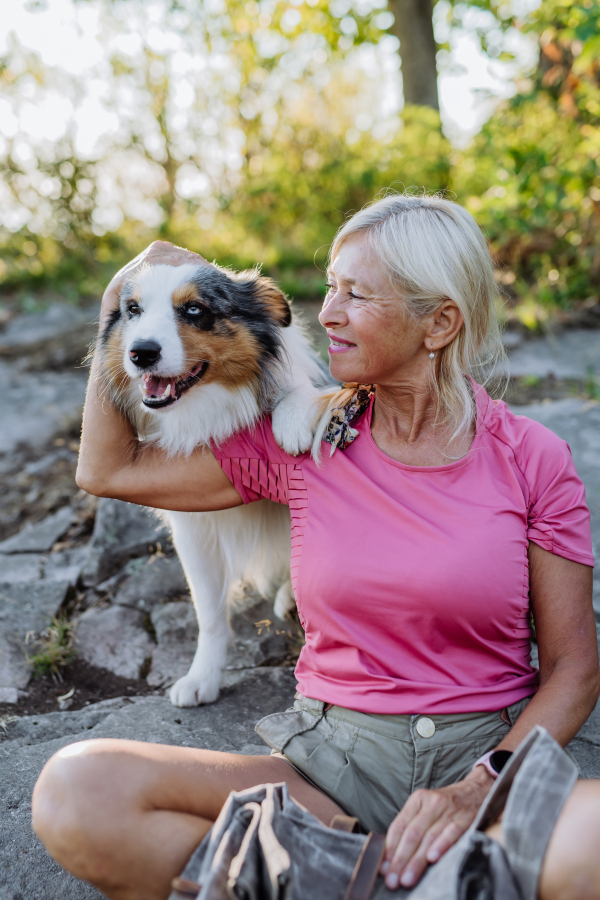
column 158, row 392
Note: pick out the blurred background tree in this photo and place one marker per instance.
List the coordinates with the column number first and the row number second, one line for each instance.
column 249, row 130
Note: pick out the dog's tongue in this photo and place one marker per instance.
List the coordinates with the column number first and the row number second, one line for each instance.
column 156, row 387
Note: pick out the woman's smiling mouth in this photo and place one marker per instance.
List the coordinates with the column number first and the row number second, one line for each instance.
column 338, row 345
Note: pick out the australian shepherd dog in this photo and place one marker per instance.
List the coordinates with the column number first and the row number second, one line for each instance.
column 193, row 354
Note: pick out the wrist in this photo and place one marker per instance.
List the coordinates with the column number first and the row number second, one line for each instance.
column 480, row 775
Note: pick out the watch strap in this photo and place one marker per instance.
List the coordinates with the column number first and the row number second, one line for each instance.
column 494, row 761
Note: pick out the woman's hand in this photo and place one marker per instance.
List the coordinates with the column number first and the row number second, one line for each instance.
column 430, row 822
column 158, row 253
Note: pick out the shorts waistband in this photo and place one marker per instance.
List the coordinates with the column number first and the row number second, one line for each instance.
column 403, row 727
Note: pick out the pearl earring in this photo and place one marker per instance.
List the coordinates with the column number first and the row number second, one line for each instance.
column 432, row 355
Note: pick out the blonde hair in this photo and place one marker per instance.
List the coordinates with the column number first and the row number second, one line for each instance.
column 433, row 250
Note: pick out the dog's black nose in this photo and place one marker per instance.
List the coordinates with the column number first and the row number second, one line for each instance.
column 144, row 353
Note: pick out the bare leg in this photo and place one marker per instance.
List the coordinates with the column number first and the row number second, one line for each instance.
column 126, row 815
column 571, row 868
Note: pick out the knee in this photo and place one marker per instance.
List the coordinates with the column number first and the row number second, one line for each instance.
column 571, row 869
column 72, row 801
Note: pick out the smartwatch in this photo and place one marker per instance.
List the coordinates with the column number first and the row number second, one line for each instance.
column 494, row 761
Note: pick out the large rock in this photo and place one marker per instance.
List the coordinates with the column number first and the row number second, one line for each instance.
column 114, row 638
column 121, row 531
column 35, row 407
column 148, row 581
column 58, row 336
column 24, row 608
column 42, row 536
column 26, row 869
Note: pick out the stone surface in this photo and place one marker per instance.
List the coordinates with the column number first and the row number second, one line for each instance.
column 9, row 695
column 121, row 531
column 570, row 354
column 24, row 608
column 21, row 567
column 148, row 581
column 42, row 536
column 56, row 337
column 114, row 638
column 258, row 638
column 26, row 870
column 65, row 565
column 34, row 407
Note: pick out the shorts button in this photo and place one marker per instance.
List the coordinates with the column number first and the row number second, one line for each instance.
column 425, row 727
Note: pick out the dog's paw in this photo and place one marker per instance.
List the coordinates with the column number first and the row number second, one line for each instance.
column 285, row 601
column 189, row 691
column 292, row 426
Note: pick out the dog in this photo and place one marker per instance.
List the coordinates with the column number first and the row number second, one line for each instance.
column 192, row 355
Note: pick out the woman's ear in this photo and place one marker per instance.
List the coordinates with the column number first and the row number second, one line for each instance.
column 446, row 322
column 273, row 299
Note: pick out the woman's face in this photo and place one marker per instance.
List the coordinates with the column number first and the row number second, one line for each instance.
column 373, row 339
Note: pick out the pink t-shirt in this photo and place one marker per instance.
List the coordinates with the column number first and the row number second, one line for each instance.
column 412, row 582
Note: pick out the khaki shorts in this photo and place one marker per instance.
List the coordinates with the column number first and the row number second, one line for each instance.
column 370, row 764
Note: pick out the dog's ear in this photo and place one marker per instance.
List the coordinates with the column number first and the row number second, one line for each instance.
column 273, row 299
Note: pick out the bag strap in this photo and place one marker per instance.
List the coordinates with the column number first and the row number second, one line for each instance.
column 366, row 868
column 184, row 888
column 349, row 824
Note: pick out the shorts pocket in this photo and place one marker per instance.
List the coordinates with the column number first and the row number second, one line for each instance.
column 278, row 729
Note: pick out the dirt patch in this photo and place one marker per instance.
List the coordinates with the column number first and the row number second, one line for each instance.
column 91, row 685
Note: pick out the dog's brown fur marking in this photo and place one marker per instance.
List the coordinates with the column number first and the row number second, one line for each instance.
column 272, row 297
column 234, row 359
column 185, row 293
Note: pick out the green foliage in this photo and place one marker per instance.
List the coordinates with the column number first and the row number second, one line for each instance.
column 288, row 212
column 284, row 109
column 53, row 650
column 532, row 176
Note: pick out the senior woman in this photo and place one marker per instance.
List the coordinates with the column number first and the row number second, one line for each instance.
column 421, row 543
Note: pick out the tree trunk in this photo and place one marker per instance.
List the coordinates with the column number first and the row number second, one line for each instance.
column 413, row 26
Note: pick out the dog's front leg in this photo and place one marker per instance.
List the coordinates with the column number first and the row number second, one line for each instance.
column 208, row 579
column 293, row 416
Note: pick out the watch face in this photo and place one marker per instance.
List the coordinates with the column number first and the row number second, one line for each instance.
column 499, row 758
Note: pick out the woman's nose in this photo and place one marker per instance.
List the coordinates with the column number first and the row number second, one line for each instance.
column 333, row 312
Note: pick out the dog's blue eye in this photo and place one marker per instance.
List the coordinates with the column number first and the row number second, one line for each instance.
column 194, row 310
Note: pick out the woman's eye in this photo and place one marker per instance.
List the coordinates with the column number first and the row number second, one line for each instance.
column 134, row 309
column 329, row 287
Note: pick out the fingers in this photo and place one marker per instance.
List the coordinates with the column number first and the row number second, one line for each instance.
column 410, row 837
column 430, row 822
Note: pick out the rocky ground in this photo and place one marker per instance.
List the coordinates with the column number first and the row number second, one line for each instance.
column 98, row 581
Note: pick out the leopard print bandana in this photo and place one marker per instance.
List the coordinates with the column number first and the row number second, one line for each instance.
column 340, row 432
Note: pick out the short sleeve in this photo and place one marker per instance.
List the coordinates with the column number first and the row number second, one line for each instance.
column 256, row 466
column 558, row 518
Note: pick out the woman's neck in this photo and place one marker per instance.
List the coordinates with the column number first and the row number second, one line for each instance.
column 406, row 427
column 405, row 412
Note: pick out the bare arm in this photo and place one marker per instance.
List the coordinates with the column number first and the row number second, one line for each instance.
column 113, row 463
column 431, row 821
